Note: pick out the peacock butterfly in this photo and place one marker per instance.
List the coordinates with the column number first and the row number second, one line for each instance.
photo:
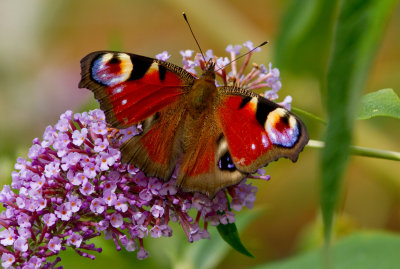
column 218, row 135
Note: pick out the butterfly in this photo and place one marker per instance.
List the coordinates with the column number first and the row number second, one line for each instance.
column 214, row 136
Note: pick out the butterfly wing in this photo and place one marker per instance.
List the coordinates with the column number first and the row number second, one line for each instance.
column 206, row 166
column 258, row 130
column 157, row 149
column 131, row 89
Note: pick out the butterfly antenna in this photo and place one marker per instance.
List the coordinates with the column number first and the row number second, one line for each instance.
column 262, row 44
column 195, row 39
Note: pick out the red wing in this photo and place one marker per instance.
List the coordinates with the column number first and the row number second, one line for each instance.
column 257, row 130
column 200, row 166
column 130, row 87
column 156, row 150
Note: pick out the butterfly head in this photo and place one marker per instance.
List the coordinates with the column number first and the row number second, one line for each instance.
column 209, row 70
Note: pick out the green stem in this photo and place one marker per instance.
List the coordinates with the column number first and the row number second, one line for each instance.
column 302, row 112
column 361, row 151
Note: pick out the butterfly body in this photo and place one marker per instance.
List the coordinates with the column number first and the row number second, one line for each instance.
column 216, row 135
column 202, row 95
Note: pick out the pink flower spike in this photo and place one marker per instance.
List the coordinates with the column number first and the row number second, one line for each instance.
column 142, row 254
column 49, row 219
column 186, row 53
column 116, row 220
column 23, row 220
column 75, row 239
column 55, row 244
column 99, row 128
column 79, row 136
column 109, row 197
column 287, row 102
column 98, row 206
column 7, row 260
column 64, row 211
column 52, row 169
column 87, row 188
column 157, row 211
column 156, row 231
column 21, row 244
column 75, row 203
column 163, row 56
column 100, row 145
column 139, row 217
column 130, row 246
column 7, row 237
column 121, row 204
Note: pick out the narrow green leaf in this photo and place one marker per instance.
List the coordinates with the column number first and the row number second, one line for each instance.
column 307, row 114
column 366, row 250
column 358, row 32
column 380, row 103
column 230, row 234
column 207, row 254
column 304, row 41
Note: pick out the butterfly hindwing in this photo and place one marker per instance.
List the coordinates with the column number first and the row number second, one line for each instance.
column 206, row 165
column 257, row 130
column 156, row 150
column 130, row 87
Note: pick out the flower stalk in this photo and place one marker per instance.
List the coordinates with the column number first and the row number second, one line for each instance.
column 361, row 151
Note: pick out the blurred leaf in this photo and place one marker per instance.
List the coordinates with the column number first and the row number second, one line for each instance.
column 358, row 31
column 90, row 105
column 230, row 234
column 206, row 254
column 366, row 250
column 381, row 103
column 305, row 38
column 115, row 41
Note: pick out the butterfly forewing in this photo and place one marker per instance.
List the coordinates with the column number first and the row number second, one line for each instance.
column 131, row 88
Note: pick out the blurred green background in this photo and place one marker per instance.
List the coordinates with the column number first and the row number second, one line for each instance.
column 42, row 42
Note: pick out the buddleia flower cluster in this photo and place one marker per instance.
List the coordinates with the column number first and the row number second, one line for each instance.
column 230, row 74
column 72, row 186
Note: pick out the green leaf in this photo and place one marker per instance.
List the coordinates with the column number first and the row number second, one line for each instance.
column 206, row 254
column 304, row 41
column 230, row 234
column 366, row 250
column 380, row 103
column 358, row 32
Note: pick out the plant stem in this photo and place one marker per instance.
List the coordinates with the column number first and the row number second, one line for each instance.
column 361, row 151
column 302, row 112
